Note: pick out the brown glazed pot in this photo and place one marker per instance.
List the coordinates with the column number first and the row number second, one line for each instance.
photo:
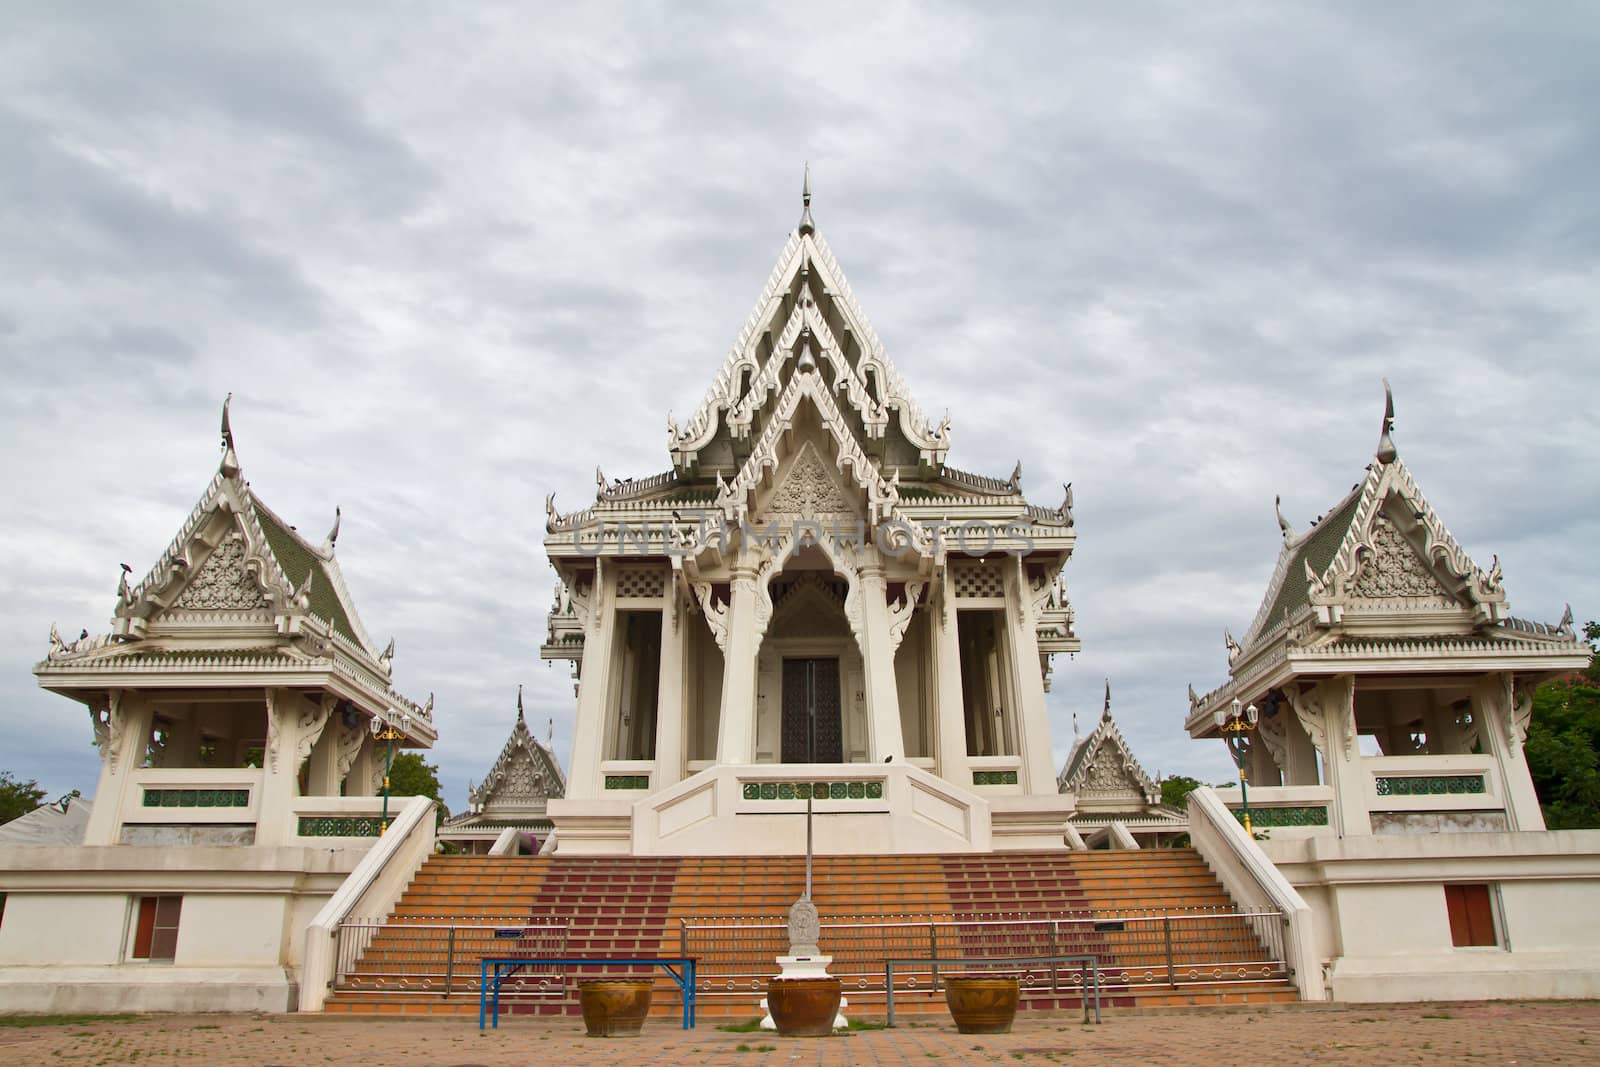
column 803, row 1007
column 982, row 1003
column 615, row 1007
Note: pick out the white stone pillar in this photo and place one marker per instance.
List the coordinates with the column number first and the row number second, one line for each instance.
column 1346, row 769
column 670, row 753
column 883, row 697
column 584, row 780
column 1300, row 755
column 323, row 773
column 1494, row 712
column 121, row 753
column 736, row 728
column 280, row 772
column 1032, row 715
column 951, row 727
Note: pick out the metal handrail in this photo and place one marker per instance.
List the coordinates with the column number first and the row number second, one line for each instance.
column 468, row 942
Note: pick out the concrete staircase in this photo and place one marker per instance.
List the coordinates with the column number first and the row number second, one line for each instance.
column 1159, row 922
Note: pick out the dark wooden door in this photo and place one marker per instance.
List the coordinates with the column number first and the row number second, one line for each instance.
column 812, row 684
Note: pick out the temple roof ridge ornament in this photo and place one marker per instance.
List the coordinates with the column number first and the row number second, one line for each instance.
column 808, row 271
column 806, row 226
column 1105, row 742
column 1387, row 453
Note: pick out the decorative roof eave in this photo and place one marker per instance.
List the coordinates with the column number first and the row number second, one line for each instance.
column 804, row 252
column 685, row 442
column 932, row 441
column 1520, row 651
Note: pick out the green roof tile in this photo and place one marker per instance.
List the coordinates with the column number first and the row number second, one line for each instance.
column 297, row 561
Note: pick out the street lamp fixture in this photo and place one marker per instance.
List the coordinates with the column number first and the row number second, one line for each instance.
column 389, row 728
column 1235, row 721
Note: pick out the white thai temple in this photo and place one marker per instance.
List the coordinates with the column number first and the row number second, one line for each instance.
column 1117, row 805
column 810, row 571
column 1392, row 690
column 232, row 701
column 509, row 805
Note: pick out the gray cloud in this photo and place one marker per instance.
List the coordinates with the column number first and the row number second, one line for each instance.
column 450, row 259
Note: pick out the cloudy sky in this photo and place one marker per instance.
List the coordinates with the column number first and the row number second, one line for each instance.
column 450, row 257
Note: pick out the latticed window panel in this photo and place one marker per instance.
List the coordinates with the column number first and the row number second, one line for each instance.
column 627, row 781
column 975, row 580
column 1430, row 785
column 197, row 798
column 340, row 826
column 1311, row 815
column 642, row 582
column 812, row 790
column 994, row 777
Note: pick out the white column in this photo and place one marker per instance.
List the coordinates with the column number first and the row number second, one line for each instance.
column 670, row 754
column 122, row 755
column 1032, row 716
column 1346, row 770
column 280, row 773
column 736, row 728
column 951, row 728
column 1493, row 712
column 1300, row 755
column 883, row 699
column 584, row 780
column 323, row 776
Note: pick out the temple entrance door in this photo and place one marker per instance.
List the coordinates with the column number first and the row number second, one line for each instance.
column 811, row 686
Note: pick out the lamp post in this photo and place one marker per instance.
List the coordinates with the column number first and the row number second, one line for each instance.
column 384, row 729
column 1234, row 723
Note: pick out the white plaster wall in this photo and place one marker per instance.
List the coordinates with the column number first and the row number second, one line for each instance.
column 1551, row 915
column 230, row 929
column 1393, row 920
column 68, row 928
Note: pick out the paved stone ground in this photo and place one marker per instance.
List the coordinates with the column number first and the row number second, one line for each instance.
column 1474, row 1034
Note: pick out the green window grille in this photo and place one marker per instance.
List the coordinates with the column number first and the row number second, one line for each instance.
column 856, row 790
column 340, row 826
column 1304, row 816
column 197, row 798
column 1436, row 785
column 627, row 781
column 994, row 777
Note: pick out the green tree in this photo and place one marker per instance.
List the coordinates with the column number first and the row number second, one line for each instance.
column 412, row 776
column 1563, row 747
column 1175, row 790
column 17, row 797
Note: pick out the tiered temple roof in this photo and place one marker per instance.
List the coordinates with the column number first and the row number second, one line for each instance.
column 238, row 598
column 514, row 793
column 1380, row 585
column 1111, row 786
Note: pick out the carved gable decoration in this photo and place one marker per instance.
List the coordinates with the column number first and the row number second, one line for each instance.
column 223, row 583
column 1109, row 777
column 808, row 489
column 522, row 779
column 1102, row 772
column 1394, row 569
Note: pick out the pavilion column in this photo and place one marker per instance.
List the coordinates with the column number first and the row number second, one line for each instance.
column 121, row 754
column 280, row 772
column 951, row 728
column 1299, row 754
column 883, row 696
column 1032, row 716
column 670, row 755
column 1346, row 772
column 322, row 778
column 367, row 765
column 584, row 780
column 1493, row 711
column 736, row 725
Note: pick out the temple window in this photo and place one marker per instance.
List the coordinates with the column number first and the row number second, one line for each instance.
column 638, row 673
column 1471, row 916
column 985, row 683
column 155, row 930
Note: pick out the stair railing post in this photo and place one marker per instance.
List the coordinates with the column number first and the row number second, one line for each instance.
column 1166, row 932
column 1055, row 950
column 450, row 960
column 933, row 952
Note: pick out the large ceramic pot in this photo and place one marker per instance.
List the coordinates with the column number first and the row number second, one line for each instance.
column 803, row 1007
column 982, row 1003
column 615, row 1007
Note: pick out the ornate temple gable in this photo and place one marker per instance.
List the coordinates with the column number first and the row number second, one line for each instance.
column 525, row 775
column 807, row 313
column 238, row 593
column 1102, row 767
column 811, row 605
column 806, row 488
